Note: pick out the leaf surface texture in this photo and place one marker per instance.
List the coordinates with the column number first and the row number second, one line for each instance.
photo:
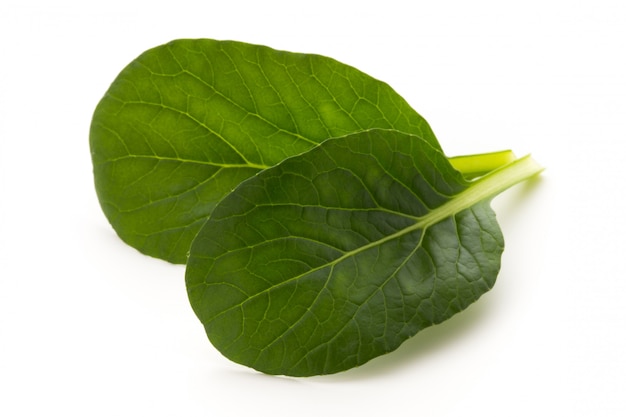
column 338, row 255
column 186, row 122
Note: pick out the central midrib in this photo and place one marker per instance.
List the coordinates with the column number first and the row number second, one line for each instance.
column 191, row 161
column 484, row 188
column 475, row 193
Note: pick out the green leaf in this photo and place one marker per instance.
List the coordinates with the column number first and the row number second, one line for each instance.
column 186, row 122
column 339, row 255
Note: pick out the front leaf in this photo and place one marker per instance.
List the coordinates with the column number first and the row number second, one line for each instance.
column 186, row 122
column 339, row 255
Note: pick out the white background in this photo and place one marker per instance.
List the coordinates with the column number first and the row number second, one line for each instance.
column 89, row 327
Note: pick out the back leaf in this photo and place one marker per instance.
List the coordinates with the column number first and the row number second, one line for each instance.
column 339, row 255
column 186, row 122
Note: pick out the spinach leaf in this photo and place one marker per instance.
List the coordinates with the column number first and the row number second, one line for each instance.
column 338, row 255
column 186, row 122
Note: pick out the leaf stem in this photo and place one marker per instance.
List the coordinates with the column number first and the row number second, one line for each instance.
column 507, row 176
column 473, row 166
column 486, row 187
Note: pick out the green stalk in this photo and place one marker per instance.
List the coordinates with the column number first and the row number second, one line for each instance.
column 473, row 166
column 486, row 187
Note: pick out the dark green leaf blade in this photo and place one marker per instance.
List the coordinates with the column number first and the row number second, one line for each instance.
column 186, row 122
column 337, row 256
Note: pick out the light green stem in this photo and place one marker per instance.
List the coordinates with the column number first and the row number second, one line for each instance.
column 487, row 187
column 473, row 166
